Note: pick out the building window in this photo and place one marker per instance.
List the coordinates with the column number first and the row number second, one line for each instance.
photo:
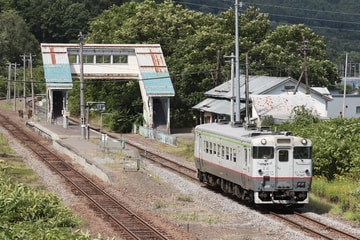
column 73, row 59
column 120, row 59
column 289, row 88
column 88, row 59
column 357, row 109
column 103, row 59
column 98, row 58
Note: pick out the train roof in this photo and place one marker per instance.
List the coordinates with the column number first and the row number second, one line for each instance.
column 229, row 130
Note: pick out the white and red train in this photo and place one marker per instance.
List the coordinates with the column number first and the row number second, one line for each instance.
column 256, row 165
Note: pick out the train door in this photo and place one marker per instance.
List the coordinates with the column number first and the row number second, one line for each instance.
column 284, row 168
column 200, row 148
column 244, row 152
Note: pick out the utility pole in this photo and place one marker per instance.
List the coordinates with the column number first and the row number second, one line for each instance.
column 24, row 81
column 247, row 100
column 8, row 94
column 237, row 60
column 32, row 84
column 345, row 82
column 232, row 58
column 15, row 88
column 82, row 101
column 304, row 50
column 218, row 67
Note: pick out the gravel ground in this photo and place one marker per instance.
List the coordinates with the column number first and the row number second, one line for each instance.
column 183, row 208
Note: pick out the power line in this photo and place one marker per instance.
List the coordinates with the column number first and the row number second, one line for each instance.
column 303, row 9
column 266, row 5
column 295, row 17
column 200, row 5
column 317, row 19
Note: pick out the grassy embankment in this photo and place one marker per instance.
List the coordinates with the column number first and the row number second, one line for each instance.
column 27, row 210
column 340, row 196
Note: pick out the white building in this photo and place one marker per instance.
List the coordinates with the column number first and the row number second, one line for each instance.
column 275, row 96
column 348, row 107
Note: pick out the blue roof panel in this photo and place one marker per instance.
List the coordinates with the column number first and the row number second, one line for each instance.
column 158, row 84
column 58, row 76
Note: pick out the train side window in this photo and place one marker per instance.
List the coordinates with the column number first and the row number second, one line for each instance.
column 222, row 152
column 218, row 150
column 227, row 153
column 215, row 148
column 283, row 155
column 210, row 147
column 206, row 146
column 234, row 154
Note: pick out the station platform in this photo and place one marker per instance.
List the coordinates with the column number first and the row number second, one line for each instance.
column 96, row 156
column 99, row 158
column 99, row 155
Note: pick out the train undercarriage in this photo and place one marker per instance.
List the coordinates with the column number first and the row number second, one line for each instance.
column 282, row 197
column 226, row 186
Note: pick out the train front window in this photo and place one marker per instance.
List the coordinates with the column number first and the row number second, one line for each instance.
column 302, row 152
column 283, row 155
column 263, row 152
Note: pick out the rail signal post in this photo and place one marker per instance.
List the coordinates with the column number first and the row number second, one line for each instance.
column 100, row 106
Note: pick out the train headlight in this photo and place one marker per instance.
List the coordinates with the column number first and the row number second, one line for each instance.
column 263, row 141
column 300, row 184
column 304, row 141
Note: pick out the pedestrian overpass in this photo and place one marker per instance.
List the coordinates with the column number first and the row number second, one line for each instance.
column 144, row 63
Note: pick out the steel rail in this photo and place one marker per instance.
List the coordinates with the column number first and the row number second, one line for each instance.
column 129, row 221
column 191, row 173
column 153, row 157
column 306, row 221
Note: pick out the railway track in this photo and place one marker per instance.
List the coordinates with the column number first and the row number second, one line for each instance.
column 125, row 222
column 301, row 221
column 167, row 163
column 307, row 224
column 312, row 226
column 189, row 172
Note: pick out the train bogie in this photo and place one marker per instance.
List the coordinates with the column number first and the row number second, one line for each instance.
column 260, row 166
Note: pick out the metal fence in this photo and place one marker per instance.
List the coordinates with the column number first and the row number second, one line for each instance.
column 156, row 135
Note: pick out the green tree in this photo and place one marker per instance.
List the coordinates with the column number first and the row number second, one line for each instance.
column 59, row 20
column 191, row 41
column 280, row 54
column 63, row 20
column 15, row 38
column 122, row 99
column 31, row 11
